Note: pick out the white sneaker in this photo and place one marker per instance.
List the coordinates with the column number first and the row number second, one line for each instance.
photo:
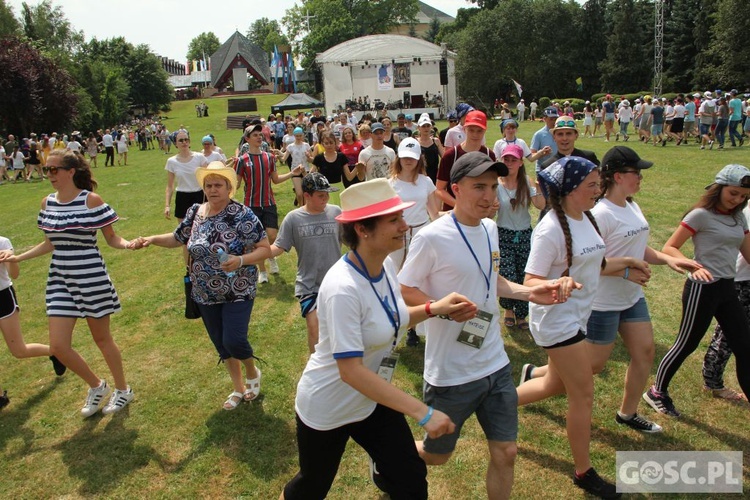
column 273, row 266
column 95, row 399
column 118, row 401
column 262, row 277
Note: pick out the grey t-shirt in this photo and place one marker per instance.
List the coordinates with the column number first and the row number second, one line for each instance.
column 316, row 239
column 717, row 239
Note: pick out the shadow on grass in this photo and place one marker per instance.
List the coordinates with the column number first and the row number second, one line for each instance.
column 412, row 358
column 14, row 416
column 250, row 436
column 101, row 459
column 277, row 288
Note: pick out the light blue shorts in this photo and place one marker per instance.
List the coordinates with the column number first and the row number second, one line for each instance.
column 657, row 129
column 603, row 325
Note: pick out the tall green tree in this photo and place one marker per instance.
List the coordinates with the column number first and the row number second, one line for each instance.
column 728, row 60
column 48, row 27
column 680, row 47
column 38, row 94
column 147, row 79
column 202, row 45
column 9, row 25
column 266, row 33
column 628, row 66
column 336, row 21
column 591, row 29
column 433, row 30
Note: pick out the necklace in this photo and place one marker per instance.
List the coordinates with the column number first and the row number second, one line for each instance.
column 513, row 200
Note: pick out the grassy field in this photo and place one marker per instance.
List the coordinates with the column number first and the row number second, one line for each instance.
column 175, row 441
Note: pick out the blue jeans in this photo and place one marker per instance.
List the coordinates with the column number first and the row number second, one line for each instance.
column 227, row 325
column 733, row 125
column 721, row 130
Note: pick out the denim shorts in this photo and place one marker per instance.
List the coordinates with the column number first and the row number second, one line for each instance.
column 705, row 128
column 657, row 129
column 493, row 398
column 603, row 325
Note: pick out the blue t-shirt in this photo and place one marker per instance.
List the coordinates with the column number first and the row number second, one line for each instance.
column 658, row 113
column 609, row 107
column 543, row 137
column 735, row 105
column 690, row 108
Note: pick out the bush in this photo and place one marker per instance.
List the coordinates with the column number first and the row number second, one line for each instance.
column 544, row 102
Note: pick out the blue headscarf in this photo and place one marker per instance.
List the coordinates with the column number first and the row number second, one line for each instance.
column 566, row 174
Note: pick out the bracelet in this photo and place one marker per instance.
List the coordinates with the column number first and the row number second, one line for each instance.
column 627, row 273
column 427, row 417
column 242, row 262
column 427, row 309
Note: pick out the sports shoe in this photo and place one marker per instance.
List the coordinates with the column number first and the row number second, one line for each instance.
column 617, row 137
column 526, row 373
column 639, row 423
column 412, row 339
column 263, row 277
column 273, row 266
column 663, row 142
column 58, row 366
column 710, row 144
column 118, row 401
column 95, row 399
column 4, row 400
column 660, row 402
column 592, row 483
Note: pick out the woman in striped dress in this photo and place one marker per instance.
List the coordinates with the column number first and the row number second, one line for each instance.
column 78, row 285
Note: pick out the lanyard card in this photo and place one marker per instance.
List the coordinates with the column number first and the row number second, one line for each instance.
column 475, row 330
column 388, row 366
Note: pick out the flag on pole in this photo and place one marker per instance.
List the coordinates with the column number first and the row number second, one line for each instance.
column 579, row 84
column 519, row 89
column 195, row 66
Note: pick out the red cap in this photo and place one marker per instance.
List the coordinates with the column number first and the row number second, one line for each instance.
column 477, row 118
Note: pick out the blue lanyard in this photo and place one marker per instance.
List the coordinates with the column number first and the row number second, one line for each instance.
column 393, row 315
column 489, row 248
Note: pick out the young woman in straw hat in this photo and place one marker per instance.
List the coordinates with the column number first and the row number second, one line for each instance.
column 345, row 389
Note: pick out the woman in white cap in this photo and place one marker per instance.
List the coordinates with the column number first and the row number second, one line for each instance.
column 225, row 241
column 345, row 389
column 567, row 248
column 432, row 148
column 719, row 231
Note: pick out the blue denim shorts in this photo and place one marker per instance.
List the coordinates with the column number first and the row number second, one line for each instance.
column 603, row 325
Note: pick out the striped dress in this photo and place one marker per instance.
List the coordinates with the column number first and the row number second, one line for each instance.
column 78, row 284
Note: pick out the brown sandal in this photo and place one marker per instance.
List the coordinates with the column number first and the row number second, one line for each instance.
column 728, row 394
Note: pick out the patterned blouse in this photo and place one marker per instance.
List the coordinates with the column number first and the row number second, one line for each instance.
column 235, row 230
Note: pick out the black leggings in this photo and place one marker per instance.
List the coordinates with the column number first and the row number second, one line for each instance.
column 700, row 303
column 384, row 435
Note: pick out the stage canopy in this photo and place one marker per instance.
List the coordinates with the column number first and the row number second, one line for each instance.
column 385, row 67
column 296, row 101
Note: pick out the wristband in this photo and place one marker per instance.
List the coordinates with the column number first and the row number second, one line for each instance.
column 427, row 309
column 427, row 417
column 627, row 273
column 242, row 261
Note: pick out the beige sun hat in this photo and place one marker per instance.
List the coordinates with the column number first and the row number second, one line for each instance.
column 220, row 169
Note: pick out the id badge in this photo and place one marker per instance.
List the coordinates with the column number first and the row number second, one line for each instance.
column 388, row 366
column 475, row 330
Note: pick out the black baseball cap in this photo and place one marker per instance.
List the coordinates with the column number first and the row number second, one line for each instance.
column 620, row 157
column 315, row 181
column 475, row 164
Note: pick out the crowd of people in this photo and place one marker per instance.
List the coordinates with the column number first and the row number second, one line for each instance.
column 440, row 244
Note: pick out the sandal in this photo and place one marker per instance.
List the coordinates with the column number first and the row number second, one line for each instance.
column 252, row 387
column 233, row 401
column 728, row 394
column 509, row 322
column 523, row 325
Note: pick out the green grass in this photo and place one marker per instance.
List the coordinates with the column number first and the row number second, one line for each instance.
column 176, row 441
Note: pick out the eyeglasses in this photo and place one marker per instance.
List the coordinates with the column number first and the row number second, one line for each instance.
column 565, row 123
column 183, row 140
column 636, row 172
column 53, row 170
column 208, row 143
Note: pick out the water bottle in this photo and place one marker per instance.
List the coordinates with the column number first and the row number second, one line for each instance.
column 223, row 257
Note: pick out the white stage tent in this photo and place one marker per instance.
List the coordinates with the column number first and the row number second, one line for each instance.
column 384, row 67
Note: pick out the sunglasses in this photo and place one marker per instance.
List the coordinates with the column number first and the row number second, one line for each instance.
column 565, row 123
column 636, row 172
column 183, row 140
column 53, row 170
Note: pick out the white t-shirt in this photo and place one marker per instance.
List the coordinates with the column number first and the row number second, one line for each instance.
column 215, row 156
column 550, row 325
column 299, row 154
column 454, row 136
column 353, row 323
column 502, row 143
column 377, row 161
column 418, row 192
column 5, row 281
column 74, row 146
column 52, row 141
column 439, row 263
column 626, row 114
column 625, row 232
column 2, row 156
column 107, row 141
column 185, row 172
column 743, row 268
column 679, row 111
column 18, row 160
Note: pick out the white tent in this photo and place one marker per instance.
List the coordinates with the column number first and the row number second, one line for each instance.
column 384, row 67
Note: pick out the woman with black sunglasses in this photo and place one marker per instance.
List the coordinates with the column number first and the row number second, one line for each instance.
column 78, row 285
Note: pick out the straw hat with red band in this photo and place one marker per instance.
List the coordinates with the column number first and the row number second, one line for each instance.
column 370, row 199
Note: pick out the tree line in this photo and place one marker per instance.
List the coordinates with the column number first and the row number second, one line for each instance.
column 52, row 79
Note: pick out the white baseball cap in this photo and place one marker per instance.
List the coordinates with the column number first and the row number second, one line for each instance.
column 409, row 148
column 424, row 119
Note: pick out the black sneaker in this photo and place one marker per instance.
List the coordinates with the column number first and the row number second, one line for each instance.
column 4, row 400
column 660, row 402
column 58, row 366
column 412, row 339
column 710, row 144
column 526, row 373
column 592, row 483
column 639, row 423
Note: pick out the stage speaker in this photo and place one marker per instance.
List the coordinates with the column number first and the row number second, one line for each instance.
column 443, row 72
column 318, row 74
